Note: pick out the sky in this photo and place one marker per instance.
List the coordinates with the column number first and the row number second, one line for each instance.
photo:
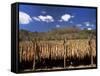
column 45, row 18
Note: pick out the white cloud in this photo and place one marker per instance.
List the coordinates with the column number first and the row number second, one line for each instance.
column 57, row 26
column 92, row 25
column 79, row 25
column 66, row 17
column 89, row 28
column 43, row 12
column 72, row 16
column 36, row 18
column 60, row 20
column 46, row 18
column 24, row 18
column 87, row 23
column 71, row 22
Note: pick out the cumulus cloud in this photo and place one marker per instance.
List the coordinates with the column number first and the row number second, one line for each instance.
column 43, row 12
column 79, row 25
column 66, row 17
column 89, row 28
column 92, row 25
column 36, row 18
column 60, row 20
column 24, row 18
column 46, row 18
column 87, row 23
column 71, row 22
column 57, row 26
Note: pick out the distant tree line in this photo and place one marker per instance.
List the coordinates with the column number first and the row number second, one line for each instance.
column 57, row 34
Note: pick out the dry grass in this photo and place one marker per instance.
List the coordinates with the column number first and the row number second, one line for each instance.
column 55, row 49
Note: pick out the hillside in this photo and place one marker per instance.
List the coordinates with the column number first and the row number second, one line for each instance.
column 57, row 34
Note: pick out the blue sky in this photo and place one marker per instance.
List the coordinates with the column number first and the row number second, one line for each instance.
column 45, row 18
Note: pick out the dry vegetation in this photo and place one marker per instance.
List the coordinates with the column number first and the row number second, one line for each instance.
column 62, row 47
column 54, row 50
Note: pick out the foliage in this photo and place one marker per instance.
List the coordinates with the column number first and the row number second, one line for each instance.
column 57, row 34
